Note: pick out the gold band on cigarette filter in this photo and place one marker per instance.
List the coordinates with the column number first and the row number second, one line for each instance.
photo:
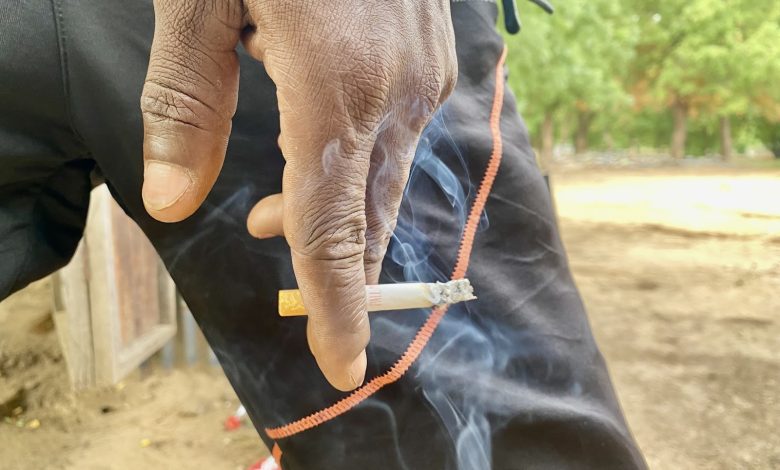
column 291, row 303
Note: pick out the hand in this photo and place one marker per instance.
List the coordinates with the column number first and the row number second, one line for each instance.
column 357, row 81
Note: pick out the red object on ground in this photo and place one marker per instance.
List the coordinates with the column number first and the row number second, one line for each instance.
column 232, row 423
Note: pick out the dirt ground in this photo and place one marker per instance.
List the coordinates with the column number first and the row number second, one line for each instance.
column 155, row 419
column 679, row 268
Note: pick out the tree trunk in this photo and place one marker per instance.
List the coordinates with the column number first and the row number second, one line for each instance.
column 547, row 140
column 680, row 132
column 584, row 119
column 609, row 141
column 726, row 147
column 564, row 130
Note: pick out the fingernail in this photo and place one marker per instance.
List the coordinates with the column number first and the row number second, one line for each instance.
column 164, row 184
column 264, row 235
column 357, row 370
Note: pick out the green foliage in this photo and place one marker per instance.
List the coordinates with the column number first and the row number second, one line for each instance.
column 718, row 56
column 575, row 58
column 627, row 61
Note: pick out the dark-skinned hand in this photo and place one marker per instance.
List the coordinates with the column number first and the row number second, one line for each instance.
column 357, row 81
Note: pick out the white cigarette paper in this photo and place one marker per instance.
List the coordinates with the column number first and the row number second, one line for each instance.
column 393, row 296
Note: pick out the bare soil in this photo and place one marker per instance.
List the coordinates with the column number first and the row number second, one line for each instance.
column 679, row 268
column 155, row 419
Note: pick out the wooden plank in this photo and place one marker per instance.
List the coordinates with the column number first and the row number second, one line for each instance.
column 159, row 335
column 132, row 299
column 168, row 295
column 72, row 317
column 137, row 277
column 189, row 330
column 141, row 349
column 102, row 293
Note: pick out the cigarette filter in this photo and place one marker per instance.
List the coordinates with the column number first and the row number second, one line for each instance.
column 392, row 296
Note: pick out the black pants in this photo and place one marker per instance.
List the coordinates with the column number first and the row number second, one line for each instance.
column 512, row 380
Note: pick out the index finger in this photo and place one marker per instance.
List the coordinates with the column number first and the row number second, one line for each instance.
column 325, row 225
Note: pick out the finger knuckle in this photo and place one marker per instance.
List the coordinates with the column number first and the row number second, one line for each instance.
column 367, row 80
column 439, row 70
column 168, row 100
column 376, row 245
column 450, row 78
column 335, row 235
column 438, row 79
column 359, row 67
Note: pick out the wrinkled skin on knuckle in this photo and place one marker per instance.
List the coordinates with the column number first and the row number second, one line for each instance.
column 193, row 70
column 332, row 229
column 436, row 69
column 446, row 70
column 344, row 56
column 352, row 91
column 162, row 103
column 435, row 78
column 367, row 76
column 190, row 85
column 384, row 202
column 376, row 244
column 352, row 61
column 427, row 87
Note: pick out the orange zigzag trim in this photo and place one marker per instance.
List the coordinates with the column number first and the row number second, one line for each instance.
column 276, row 453
column 426, row 331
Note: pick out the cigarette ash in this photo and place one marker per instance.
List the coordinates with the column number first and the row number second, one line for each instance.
column 452, row 292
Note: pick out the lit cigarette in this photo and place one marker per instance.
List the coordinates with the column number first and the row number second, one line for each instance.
column 392, row 296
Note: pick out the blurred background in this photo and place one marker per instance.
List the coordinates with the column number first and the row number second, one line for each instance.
column 686, row 77
column 659, row 126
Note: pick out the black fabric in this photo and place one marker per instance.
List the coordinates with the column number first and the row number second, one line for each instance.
column 512, row 380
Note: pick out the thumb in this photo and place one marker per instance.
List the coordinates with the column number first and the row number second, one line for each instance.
column 188, row 100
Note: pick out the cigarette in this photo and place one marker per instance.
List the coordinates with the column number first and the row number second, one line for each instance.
column 392, row 296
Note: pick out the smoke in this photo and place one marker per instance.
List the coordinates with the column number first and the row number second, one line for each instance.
column 480, row 369
column 457, row 369
column 429, row 177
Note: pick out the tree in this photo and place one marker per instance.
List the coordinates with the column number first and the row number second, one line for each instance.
column 572, row 60
column 632, row 70
column 707, row 57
